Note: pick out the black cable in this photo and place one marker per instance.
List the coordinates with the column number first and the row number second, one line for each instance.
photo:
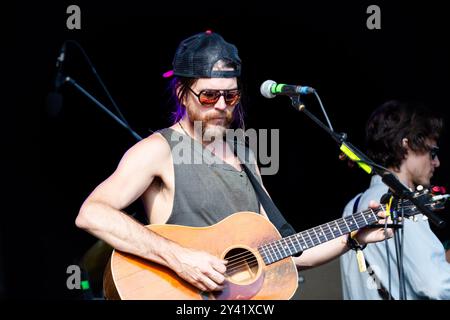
column 323, row 110
column 398, row 238
column 397, row 253
column 402, row 242
column 343, row 138
column 388, row 259
column 399, row 271
column 91, row 65
column 366, row 161
column 100, row 105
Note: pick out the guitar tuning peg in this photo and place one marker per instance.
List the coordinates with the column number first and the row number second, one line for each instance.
column 419, row 188
column 438, row 190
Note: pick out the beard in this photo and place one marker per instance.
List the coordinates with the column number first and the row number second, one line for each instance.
column 212, row 124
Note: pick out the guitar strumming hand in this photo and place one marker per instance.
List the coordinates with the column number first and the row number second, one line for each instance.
column 202, row 269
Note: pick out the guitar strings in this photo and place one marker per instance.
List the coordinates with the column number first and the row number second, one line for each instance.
column 272, row 248
column 249, row 263
column 273, row 245
column 235, row 261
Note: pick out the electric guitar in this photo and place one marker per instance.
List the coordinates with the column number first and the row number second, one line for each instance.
column 260, row 264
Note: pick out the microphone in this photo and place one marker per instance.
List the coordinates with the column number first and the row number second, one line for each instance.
column 54, row 98
column 270, row 89
column 59, row 79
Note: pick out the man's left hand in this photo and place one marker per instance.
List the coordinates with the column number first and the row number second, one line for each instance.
column 370, row 235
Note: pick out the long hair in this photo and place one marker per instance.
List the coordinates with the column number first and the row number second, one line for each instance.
column 393, row 121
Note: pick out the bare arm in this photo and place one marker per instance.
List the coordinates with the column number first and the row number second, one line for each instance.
column 101, row 216
column 322, row 254
column 330, row 250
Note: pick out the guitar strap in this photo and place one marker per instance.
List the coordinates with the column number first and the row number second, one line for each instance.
column 271, row 209
column 382, row 291
column 269, row 206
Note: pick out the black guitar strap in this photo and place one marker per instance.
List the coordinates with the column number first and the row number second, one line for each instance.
column 272, row 211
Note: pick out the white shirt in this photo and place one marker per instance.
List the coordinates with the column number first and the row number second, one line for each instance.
column 427, row 273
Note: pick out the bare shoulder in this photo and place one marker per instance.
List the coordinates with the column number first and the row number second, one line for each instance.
column 144, row 161
column 151, row 151
column 138, row 167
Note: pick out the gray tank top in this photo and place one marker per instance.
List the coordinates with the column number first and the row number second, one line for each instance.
column 207, row 190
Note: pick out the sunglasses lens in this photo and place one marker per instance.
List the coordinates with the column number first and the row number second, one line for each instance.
column 434, row 151
column 232, row 97
column 209, row 97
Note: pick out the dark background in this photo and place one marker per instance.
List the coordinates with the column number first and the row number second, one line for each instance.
column 54, row 162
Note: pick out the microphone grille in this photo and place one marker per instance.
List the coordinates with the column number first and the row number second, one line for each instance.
column 265, row 89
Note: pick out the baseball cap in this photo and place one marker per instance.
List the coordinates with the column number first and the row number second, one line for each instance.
column 197, row 55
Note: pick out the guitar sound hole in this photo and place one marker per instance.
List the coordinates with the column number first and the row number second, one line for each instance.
column 242, row 267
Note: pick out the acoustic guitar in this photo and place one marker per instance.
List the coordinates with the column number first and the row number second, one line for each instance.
column 260, row 263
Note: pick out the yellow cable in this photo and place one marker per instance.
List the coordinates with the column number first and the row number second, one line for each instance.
column 388, row 207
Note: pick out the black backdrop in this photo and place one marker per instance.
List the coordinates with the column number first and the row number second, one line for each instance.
column 54, row 162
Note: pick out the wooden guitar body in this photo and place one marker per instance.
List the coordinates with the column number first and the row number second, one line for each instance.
column 235, row 239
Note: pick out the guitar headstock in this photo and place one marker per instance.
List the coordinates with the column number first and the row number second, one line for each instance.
column 434, row 198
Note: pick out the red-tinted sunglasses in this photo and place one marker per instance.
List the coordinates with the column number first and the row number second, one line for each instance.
column 209, row 97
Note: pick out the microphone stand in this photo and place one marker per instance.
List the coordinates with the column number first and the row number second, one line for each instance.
column 369, row 166
column 397, row 188
column 101, row 106
column 398, row 242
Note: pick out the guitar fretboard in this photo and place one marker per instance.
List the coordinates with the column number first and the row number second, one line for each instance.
column 289, row 246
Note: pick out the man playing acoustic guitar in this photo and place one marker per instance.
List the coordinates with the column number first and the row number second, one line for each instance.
column 207, row 90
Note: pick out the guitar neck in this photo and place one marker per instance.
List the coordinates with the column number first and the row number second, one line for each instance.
column 289, row 246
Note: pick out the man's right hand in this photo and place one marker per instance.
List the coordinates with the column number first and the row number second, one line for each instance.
column 199, row 268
